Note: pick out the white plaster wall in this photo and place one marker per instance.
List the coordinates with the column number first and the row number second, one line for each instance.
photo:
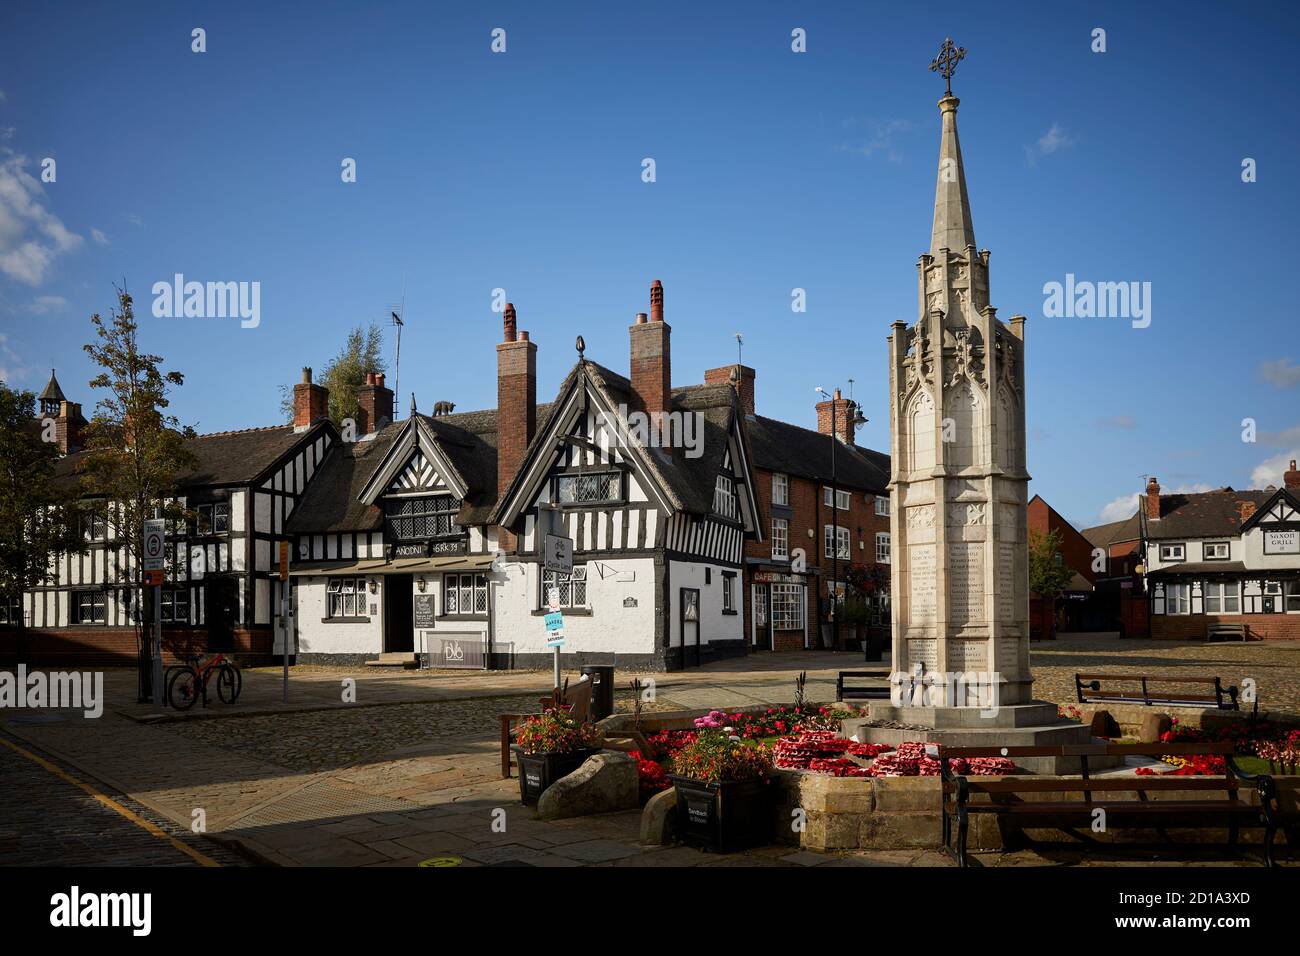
column 315, row 637
column 611, row 627
column 714, row 625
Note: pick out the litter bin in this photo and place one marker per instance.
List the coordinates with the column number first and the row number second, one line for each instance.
column 602, row 689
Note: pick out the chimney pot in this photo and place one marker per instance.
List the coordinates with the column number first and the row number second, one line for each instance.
column 1153, row 499
column 523, row 335
column 311, row 402
column 306, row 375
column 656, row 301
column 641, row 318
column 1291, row 479
column 509, row 322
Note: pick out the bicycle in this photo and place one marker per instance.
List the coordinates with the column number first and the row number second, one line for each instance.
column 187, row 683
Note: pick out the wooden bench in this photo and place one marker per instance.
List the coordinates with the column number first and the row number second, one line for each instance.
column 1089, row 688
column 1227, row 632
column 861, row 693
column 1027, row 800
column 577, row 699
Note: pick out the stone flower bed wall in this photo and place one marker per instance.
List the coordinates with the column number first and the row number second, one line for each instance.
column 1130, row 716
column 881, row 813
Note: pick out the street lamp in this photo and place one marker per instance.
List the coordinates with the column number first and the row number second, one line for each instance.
column 856, row 421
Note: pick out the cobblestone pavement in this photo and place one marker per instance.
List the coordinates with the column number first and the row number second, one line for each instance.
column 45, row 820
column 1275, row 665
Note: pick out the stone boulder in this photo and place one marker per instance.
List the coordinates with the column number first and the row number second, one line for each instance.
column 604, row 783
column 659, row 819
column 1104, row 725
column 1153, row 725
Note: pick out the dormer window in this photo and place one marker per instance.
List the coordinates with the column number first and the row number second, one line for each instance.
column 1173, row 552
column 1216, row 550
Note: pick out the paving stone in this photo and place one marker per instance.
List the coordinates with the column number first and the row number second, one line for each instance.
column 596, row 851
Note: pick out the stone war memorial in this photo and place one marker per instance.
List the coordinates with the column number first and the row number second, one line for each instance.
column 959, row 577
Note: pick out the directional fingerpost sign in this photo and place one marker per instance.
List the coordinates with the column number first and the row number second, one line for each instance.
column 557, row 554
column 155, row 532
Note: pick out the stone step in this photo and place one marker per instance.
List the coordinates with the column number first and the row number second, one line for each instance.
column 395, row 659
column 1046, row 735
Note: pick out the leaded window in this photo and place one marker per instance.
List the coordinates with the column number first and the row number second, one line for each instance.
column 572, row 587
column 412, row 519
column 91, row 607
column 464, row 594
column 724, row 497
column 577, row 489
column 347, row 597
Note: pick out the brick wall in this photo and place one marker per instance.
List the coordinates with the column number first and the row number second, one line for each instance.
column 117, row 646
column 1189, row 627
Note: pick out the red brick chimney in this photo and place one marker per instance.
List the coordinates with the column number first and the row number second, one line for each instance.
column 67, row 427
column 375, row 404
column 651, row 357
column 1291, row 477
column 516, row 405
column 1153, row 499
column 844, row 412
column 743, row 382
column 311, row 403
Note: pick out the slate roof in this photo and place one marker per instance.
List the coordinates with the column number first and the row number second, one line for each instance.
column 1203, row 567
column 1104, row 535
column 805, row 452
column 223, row 458
column 1207, row 514
column 52, row 391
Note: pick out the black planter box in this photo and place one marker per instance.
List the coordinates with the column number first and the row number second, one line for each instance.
column 539, row 771
column 733, row 815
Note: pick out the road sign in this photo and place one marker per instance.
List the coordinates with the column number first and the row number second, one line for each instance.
column 153, row 578
column 557, row 554
column 554, row 621
column 553, row 598
column 284, row 560
column 556, row 640
column 155, row 532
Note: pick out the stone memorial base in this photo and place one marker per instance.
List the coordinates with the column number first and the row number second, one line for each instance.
column 1019, row 725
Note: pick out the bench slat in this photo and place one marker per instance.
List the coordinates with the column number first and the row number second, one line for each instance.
column 1119, row 807
column 1075, row 785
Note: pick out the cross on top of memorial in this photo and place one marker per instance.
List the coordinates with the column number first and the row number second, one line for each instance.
column 945, row 64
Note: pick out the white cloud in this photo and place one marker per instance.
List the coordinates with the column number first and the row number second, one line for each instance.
column 45, row 304
column 31, row 237
column 1118, row 421
column 1283, row 372
column 883, row 139
column 1269, row 471
column 1119, row 509
column 99, row 237
column 1282, row 439
column 11, row 364
column 1053, row 141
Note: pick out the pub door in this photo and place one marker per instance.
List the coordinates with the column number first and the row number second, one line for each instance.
column 221, row 608
column 399, row 623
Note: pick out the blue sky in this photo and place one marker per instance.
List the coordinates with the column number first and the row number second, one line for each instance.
column 775, row 170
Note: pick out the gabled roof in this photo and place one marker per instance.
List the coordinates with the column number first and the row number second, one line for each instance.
column 683, row 484
column 1291, row 497
column 806, row 453
column 1104, row 535
column 224, row 458
column 1207, row 514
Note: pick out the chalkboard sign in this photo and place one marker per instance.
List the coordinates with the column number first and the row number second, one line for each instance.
column 423, row 610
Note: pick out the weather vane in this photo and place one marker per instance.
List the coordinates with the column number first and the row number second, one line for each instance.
column 946, row 62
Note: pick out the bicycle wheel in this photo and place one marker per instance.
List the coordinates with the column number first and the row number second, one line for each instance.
column 229, row 683
column 184, row 688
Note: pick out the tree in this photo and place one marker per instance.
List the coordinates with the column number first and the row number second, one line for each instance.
column 1048, row 573
column 38, row 514
column 135, row 452
column 345, row 375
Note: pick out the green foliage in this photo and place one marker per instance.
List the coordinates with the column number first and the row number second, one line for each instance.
column 555, row 732
column 345, row 375
column 714, row 756
column 38, row 515
column 1048, row 574
column 135, row 451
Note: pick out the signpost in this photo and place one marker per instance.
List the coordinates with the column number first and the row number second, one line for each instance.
column 284, row 613
column 557, row 554
column 152, row 553
column 554, row 621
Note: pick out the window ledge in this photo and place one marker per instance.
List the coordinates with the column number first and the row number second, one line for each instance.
column 345, row 620
column 461, row 617
column 726, row 613
column 566, row 611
